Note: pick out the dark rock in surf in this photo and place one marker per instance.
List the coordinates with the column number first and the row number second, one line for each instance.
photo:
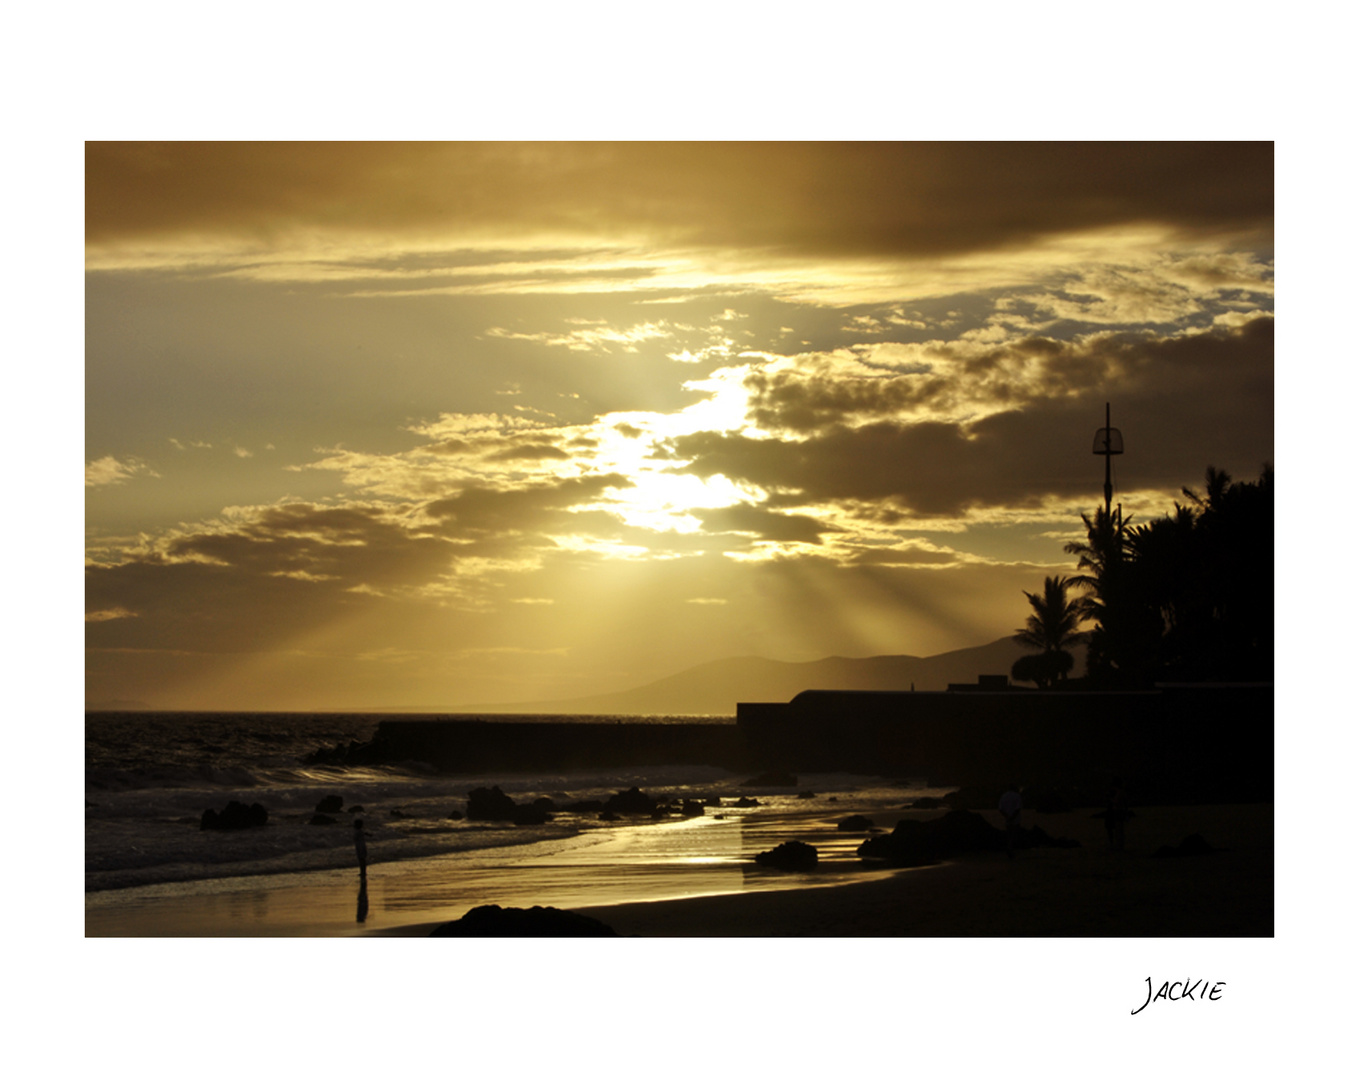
column 974, row 797
column 533, row 814
column 489, row 804
column 857, row 823
column 331, row 804
column 746, row 801
column 793, row 855
column 917, row 843
column 632, row 801
column 491, row 920
column 236, row 816
column 691, row 808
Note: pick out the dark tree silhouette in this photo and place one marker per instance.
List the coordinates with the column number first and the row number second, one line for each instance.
column 1122, row 643
column 1188, row 596
column 1051, row 628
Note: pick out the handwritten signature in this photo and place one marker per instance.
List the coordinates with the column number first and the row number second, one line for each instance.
column 1206, row 991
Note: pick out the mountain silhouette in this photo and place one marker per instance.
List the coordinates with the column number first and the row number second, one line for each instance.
column 714, row 688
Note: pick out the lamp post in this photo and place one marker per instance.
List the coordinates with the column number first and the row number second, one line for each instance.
column 1108, row 442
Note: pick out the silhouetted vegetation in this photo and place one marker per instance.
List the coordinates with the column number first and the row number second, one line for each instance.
column 1185, row 597
column 1052, row 627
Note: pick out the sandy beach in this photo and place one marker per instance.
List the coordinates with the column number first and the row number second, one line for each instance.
column 1088, row 891
column 649, row 882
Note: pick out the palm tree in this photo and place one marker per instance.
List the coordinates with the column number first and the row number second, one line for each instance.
column 1101, row 560
column 1053, row 626
column 1055, row 619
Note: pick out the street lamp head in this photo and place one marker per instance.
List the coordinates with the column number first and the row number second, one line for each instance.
column 1108, row 440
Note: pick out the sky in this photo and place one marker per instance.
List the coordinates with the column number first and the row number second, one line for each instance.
column 431, row 425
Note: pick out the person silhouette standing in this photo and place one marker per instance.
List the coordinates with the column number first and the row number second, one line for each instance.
column 1010, row 806
column 361, row 847
column 361, row 850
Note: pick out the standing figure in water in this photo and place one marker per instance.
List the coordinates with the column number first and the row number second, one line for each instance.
column 361, row 849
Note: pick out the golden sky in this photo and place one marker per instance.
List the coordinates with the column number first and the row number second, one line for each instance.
column 438, row 424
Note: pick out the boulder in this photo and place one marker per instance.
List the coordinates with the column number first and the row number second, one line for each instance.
column 236, row 816
column 532, row 814
column 793, row 855
column 331, row 804
column 857, row 823
column 455, row 815
column 491, row 920
column 806, row 794
column 959, row 832
column 975, row 797
column 691, row 808
column 489, row 804
column 746, row 801
column 632, row 801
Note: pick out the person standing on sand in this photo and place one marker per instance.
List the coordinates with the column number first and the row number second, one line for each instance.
column 361, row 848
column 1010, row 806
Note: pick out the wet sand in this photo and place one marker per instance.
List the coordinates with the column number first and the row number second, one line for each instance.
column 696, row 879
column 1089, row 891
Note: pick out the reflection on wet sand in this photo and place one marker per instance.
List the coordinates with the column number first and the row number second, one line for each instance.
column 703, row 856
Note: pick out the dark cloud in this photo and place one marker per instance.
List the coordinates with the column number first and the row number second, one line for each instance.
column 824, row 198
column 1014, row 374
column 478, row 510
column 284, row 570
column 806, row 401
column 1182, row 402
column 765, row 524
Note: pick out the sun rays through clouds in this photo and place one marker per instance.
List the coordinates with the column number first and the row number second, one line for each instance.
column 385, row 424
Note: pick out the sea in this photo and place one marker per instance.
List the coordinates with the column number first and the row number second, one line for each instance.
column 150, row 776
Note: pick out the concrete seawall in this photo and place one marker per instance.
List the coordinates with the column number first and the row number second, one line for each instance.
column 1179, row 743
column 486, row 746
column 1187, row 742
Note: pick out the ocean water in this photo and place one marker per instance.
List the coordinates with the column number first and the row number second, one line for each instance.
column 150, row 776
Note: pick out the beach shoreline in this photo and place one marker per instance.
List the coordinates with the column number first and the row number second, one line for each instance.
column 1086, row 891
